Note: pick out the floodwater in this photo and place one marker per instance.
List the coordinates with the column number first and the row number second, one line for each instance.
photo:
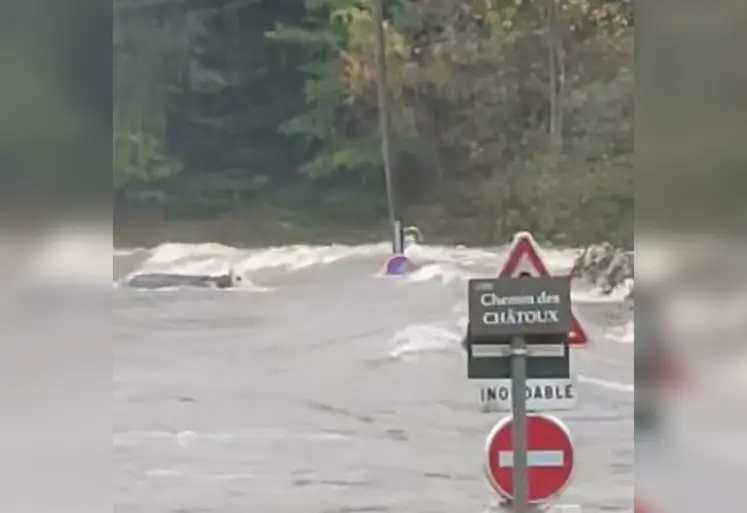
column 323, row 387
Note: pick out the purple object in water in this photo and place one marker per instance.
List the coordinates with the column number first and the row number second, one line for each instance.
column 396, row 265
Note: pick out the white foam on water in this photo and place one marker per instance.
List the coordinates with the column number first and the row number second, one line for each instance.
column 595, row 295
column 445, row 273
column 462, row 323
column 209, row 266
column 163, row 472
column 564, row 508
column 442, row 263
column 449, row 264
column 628, row 286
column 212, row 258
column 559, row 261
column 624, row 334
column 172, row 473
column 556, row 260
column 437, row 263
column 454, row 254
column 422, row 338
column 170, row 252
column 297, row 257
column 187, row 438
column 609, row 385
column 187, row 259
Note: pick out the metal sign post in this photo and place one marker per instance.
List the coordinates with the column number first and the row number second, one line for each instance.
column 398, row 237
column 519, row 411
column 382, row 93
column 513, row 321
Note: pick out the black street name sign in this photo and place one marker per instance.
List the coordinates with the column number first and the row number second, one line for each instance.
column 504, row 307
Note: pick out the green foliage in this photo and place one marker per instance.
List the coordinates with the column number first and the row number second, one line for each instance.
column 506, row 114
column 139, row 163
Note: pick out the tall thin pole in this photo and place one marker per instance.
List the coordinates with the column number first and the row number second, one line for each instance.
column 519, row 422
column 552, row 55
column 383, row 100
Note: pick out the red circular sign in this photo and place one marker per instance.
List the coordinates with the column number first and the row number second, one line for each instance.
column 549, row 457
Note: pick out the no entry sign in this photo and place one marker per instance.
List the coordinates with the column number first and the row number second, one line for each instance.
column 549, row 458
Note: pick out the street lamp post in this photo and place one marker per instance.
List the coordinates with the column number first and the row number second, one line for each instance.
column 384, row 112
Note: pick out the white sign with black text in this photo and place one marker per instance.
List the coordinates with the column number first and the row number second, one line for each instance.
column 542, row 394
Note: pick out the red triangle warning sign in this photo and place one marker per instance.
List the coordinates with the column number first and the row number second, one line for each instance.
column 523, row 259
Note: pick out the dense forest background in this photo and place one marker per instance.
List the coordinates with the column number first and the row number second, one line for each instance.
column 262, row 115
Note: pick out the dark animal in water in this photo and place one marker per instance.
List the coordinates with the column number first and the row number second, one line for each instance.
column 167, row 280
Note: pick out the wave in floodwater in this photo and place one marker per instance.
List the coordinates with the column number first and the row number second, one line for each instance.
column 81, row 256
column 332, row 363
column 420, row 339
column 437, row 262
column 433, row 265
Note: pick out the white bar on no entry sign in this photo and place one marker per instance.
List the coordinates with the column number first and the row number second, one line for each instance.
column 534, row 458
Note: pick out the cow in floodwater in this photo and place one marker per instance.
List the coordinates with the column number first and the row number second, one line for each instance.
column 167, row 280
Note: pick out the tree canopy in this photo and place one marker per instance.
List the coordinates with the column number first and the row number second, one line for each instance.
column 506, row 114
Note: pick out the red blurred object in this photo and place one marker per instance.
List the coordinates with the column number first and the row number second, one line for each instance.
column 670, row 370
column 637, row 508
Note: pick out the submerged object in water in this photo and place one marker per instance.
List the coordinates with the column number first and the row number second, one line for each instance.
column 167, row 280
column 397, row 265
column 604, row 266
column 412, row 235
